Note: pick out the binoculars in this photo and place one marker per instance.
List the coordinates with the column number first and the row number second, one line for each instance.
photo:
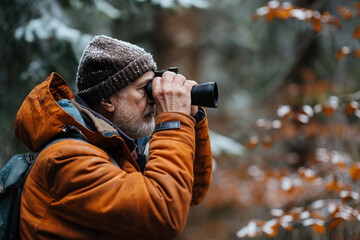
column 205, row 94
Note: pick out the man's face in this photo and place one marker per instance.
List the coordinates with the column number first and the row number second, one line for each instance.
column 135, row 113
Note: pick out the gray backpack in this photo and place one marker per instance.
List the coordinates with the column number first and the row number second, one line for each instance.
column 12, row 179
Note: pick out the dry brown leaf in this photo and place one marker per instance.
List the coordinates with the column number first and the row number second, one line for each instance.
column 355, row 171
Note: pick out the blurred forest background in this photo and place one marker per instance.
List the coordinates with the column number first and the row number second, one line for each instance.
column 286, row 133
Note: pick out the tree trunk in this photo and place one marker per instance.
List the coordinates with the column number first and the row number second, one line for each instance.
column 176, row 41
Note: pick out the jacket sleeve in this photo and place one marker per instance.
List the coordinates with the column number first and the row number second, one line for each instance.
column 203, row 161
column 92, row 192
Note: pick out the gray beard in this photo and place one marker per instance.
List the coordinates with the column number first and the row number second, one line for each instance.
column 134, row 125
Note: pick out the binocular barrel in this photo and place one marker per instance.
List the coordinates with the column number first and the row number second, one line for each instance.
column 205, row 94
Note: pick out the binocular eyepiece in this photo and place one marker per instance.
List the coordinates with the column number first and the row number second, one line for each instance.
column 205, row 94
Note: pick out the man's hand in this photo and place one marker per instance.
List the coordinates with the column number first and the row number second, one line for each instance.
column 172, row 93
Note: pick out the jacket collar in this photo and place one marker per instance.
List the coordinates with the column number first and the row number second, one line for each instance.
column 101, row 123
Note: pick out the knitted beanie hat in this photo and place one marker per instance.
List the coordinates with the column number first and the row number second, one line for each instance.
column 108, row 65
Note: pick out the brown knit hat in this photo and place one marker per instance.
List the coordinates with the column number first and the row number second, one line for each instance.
column 108, row 65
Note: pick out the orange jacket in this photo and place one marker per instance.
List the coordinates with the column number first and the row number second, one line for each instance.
column 74, row 191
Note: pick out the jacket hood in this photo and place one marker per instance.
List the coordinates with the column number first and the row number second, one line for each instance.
column 40, row 117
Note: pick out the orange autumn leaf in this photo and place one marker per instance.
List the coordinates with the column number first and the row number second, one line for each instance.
column 335, row 223
column 272, row 233
column 252, row 142
column 328, row 110
column 295, row 215
column 341, row 165
column 333, row 186
column 319, row 228
column 270, row 16
column 357, row 53
column 307, row 174
column 351, row 107
column 283, row 13
column 342, row 53
column 317, row 26
column 356, row 34
column 355, row 171
column 267, row 141
column 349, row 195
column 270, row 228
column 345, row 12
column 288, row 227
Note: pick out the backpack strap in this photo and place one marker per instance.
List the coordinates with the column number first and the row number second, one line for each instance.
column 69, row 132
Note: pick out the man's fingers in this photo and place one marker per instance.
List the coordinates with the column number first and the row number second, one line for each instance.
column 174, row 78
column 192, row 83
column 172, row 93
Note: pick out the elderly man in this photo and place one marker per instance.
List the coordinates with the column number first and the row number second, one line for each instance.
column 91, row 179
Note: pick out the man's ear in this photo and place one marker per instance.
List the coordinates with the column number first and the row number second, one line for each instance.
column 108, row 104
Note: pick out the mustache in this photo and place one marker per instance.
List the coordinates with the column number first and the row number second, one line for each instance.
column 149, row 110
